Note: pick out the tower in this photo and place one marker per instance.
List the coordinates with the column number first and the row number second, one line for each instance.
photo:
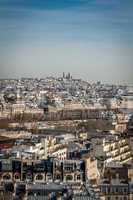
column 63, row 75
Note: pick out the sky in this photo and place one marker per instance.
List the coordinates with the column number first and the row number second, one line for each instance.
column 92, row 39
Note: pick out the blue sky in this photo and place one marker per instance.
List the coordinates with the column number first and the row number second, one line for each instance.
column 93, row 39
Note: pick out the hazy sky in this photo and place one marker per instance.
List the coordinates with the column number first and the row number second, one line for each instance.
column 93, row 39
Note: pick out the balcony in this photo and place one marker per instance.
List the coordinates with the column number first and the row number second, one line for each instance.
column 126, row 159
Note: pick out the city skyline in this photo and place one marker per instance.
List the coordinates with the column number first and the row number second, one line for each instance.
column 91, row 39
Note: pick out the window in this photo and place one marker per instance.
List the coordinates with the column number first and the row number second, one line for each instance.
column 30, row 194
column 114, row 176
column 39, row 177
column 125, row 190
column 6, row 177
column 78, row 177
column 69, row 178
column 58, row 177
column 113, row 190
column 103, row 189
column 6, row 166
column 17, row 177
column 38, row 194
column 108, row 189
column 125, row 198
column 116, row 190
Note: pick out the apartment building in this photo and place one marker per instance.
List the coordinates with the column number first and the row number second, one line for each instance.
column 114, row 183
column 112, row 148
column 42, row 171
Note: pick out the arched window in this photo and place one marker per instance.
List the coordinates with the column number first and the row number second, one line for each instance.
column 39, row 177
column 69, row 177
column 6, row 177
